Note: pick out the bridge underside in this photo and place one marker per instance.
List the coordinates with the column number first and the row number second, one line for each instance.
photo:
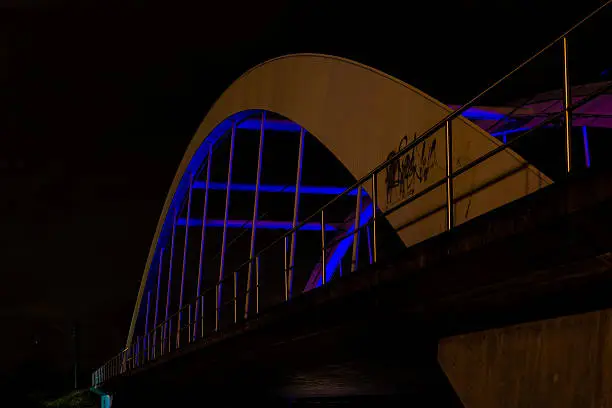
column 376, row 333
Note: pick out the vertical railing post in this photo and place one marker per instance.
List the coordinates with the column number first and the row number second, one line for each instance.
column 202, row 317
column 257, row 285
column 137, row 357
column 202, row 241
column 142, row 351
column 189, row 322
column 184, row 265
column 147, row 348
column 323, row 257
column 162, row 335
column 368, row 236
column 235, row 297
column 255, row 215
column 167, row 337
column 164, row 338
column 217, row 305
column 567, row 101
column 355, row 258
column 147, row 318
column 159, row 273
column 374, row 217
column 155, row 336
column 225, row 220
column 166, row 344
column 450, row 211
column 178, row 329
column 286, row 268
column 296, row 210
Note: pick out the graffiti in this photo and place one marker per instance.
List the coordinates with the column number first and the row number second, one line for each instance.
column 413, row 168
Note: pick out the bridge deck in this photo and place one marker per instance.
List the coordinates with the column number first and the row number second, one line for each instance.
column 376, row 331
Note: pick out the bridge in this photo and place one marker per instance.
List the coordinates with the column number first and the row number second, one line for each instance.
column 334, row 233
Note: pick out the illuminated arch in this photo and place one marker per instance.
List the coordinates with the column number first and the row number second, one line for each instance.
column 361, row 115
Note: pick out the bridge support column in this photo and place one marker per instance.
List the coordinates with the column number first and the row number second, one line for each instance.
column 561, row 362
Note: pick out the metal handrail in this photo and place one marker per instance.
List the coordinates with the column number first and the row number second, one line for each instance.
column 133, row 357
column 429, row 132
column 121, row 363
column 472, row 164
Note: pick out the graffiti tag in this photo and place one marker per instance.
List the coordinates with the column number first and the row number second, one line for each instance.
column 413, row 168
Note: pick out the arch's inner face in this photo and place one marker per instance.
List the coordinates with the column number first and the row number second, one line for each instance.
column 205, row 234
column 258, row 167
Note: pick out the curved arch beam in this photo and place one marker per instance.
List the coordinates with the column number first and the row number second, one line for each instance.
column 361, row 115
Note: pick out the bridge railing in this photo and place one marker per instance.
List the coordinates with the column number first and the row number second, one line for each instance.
column 238, row 297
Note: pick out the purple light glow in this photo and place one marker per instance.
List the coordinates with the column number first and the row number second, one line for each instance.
column 476, row 113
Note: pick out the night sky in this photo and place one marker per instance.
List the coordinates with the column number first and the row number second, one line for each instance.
column 98, row 104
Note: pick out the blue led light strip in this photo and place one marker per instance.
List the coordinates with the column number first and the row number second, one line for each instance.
column 335, row 259
column 246, row 224
column 322, row 190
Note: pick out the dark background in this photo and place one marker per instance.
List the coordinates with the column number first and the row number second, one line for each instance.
column 98, row 101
